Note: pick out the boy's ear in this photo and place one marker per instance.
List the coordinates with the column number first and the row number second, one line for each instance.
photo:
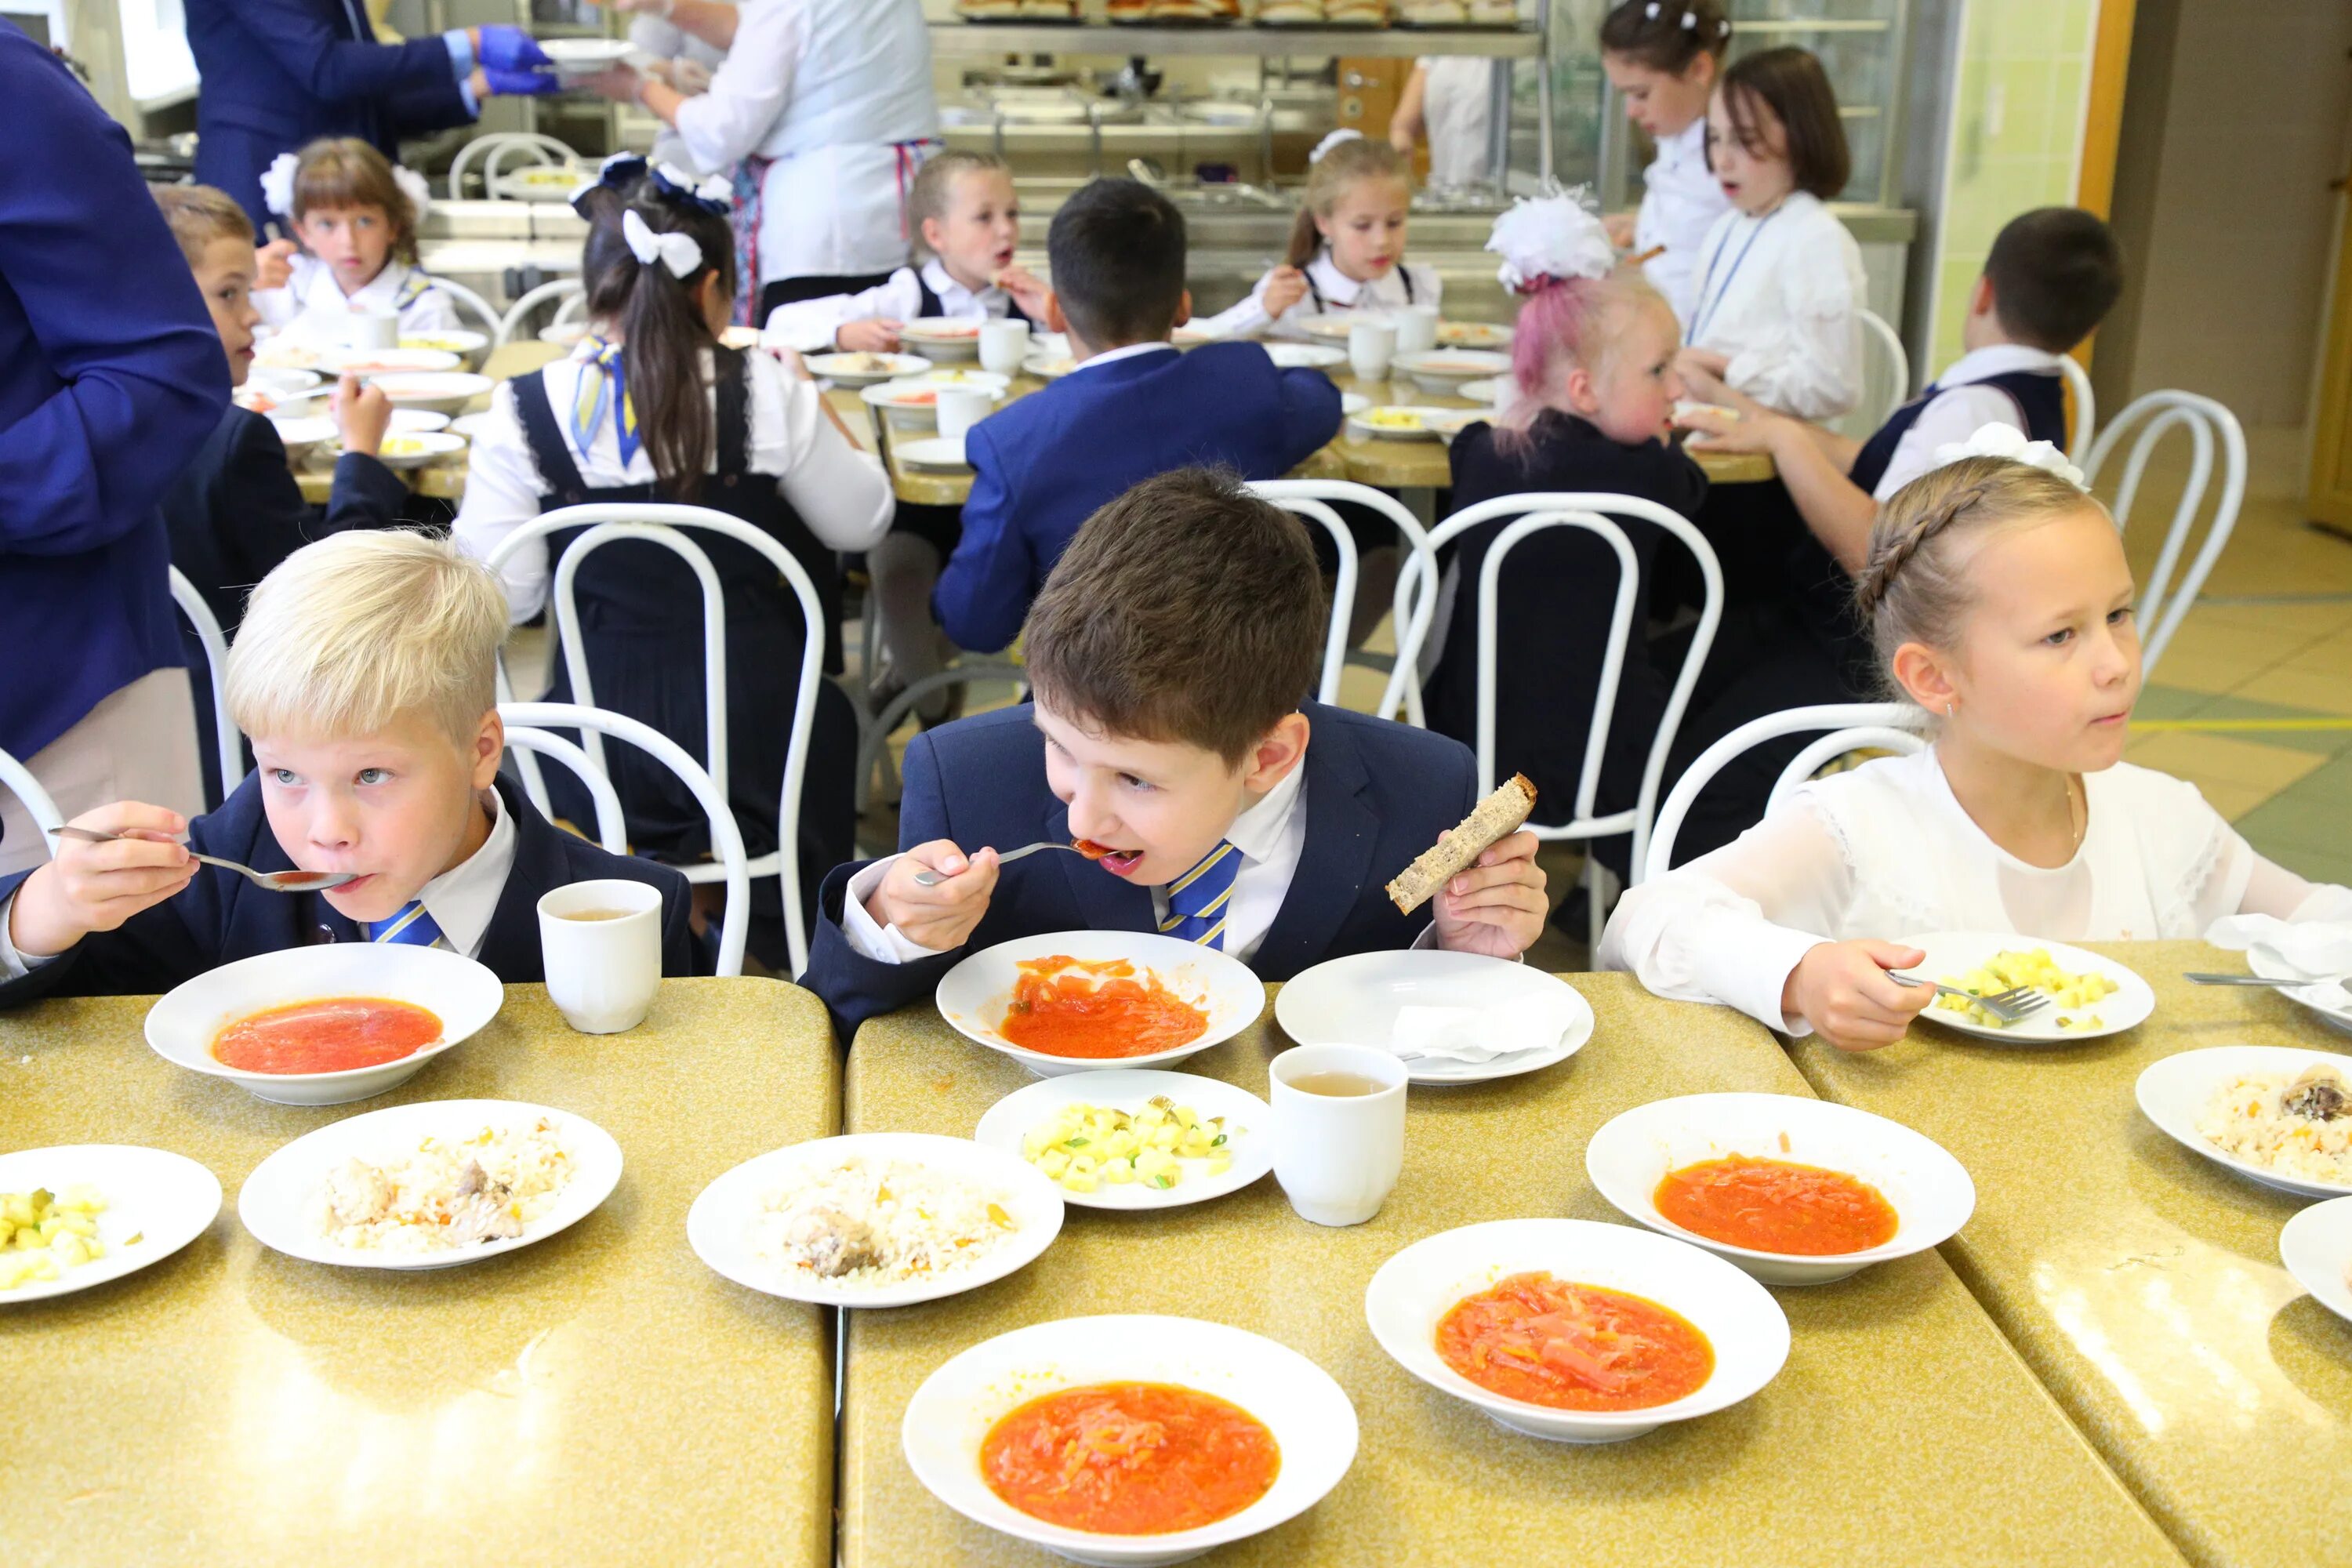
column 933, row 230
column 1582, row 398
column 1183, row 309
column 1277, row 752
column 489, row 746
column 1982, row 300
column 1055, row 320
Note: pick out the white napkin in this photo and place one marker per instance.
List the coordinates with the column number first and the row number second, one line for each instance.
column 2321, row 950
column 1473, row 1034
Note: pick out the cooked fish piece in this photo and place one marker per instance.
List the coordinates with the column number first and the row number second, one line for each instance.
column 832, row 1243
column 2319, row 1095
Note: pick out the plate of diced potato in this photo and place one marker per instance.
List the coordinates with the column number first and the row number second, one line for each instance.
column 2090, row 996
column 1135, row 1138
column 80, row 1214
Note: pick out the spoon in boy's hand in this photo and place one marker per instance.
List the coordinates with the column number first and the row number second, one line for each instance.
column 1092, row 851
column 274, row 881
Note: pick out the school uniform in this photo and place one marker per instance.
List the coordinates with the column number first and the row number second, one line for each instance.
column 487, row 907
column 1369, row 796
column 1329, row 292
column 1554, row 597
column 1681, row 201
column 313, row 309
column 1780, row 295
column 1042, row 466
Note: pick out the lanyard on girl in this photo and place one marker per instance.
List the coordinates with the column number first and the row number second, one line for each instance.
column 1707, row 307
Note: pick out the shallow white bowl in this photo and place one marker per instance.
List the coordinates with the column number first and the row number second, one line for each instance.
column 371, row 364
column 470, row 347
column 2173, row 1093
column 1335, row 329
column 167, row 1200
column 1305, row 356
column 275, row 1201
column 281, row 383
column 182, row 1025
column 889, row 397
column 1048, row 366
column 443, row 391
column 1354, row 1001
column 1486, row 389
column 1472, row 335
column 1414, row 1290
column 431, row 447
column 951, row 1414
column 302, row 435
column 1449, row 370
column 584, row 56
column 2316, row 1248
column 973, row 994
column 1248, row 1119
column 1353, row 403
column 837, row 368
column 417, row 422
column 1431, row 424
column 1954, row 953
column 941, row 340
column 718, row 1225
column 934, row 454
column 1930, row 1191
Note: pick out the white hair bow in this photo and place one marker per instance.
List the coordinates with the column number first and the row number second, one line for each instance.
column 716, row 194
column 1345, row 133
column 278, row 184
column 1550, row 237
column 414, row 186
column 2008, row 441
column 678, row 252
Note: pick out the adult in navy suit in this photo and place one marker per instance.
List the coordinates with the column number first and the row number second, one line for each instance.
column 1133, row 409
column 280, row 73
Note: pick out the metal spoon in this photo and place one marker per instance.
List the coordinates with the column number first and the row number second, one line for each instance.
column 276, row 882
column 932, row 878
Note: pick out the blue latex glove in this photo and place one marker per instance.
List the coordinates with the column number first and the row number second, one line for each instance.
column 505, row 48
column 518, row 83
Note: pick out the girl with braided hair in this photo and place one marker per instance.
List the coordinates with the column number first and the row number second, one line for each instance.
column 1997, row 599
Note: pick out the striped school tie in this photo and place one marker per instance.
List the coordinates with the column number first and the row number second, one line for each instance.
column 1197, row 899
column 411, row 926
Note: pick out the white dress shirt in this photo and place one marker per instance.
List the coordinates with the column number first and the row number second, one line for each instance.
column 1133, row 351
column 838, row 93
column 1681, row 201
column 312, row 306
column 1457, row 104
column 841, row 492
column 1960, row 408
column 1779, row 296
column 1339, row 292
column 811, row 325
column 664, row 40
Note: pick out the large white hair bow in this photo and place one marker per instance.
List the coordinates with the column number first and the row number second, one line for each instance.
column 278, row 184
column 2008, row 441
column 715, row 195
column 416, row 187
column 1550, row 237
column 678, row 252
column 1345, row 133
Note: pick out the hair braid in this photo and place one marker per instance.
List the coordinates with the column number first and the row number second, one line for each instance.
column 1891, row 549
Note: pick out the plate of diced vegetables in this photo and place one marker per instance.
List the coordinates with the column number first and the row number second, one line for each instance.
column 1135, row 1139
column 2090, row 996
column 80, row 1214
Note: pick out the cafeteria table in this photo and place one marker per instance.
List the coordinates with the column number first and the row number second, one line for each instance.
column 1902, row 1430
column 2141, row 1280
column 444, row 480
column 599, row 1396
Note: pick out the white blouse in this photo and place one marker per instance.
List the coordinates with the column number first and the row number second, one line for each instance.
column 1779, row 296
column 311, row 307
column 1681, row 203
column 1884, row 851
column 838, row 93
column 664, row 40
column 1339, row 292
column 1458, row 105
column 842, row 493
column 810, row 325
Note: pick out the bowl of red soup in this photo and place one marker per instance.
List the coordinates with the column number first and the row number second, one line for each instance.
column 1085, row 1000
column 325, row 1024
column 1130, row 1440
column 1794, row 1191
column 1576, row 1331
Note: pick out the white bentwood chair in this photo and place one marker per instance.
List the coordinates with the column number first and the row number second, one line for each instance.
column 19, row 780
column 497, row 149
column 228, row 743
column 571, row 291
column 2163, row 605
column 1313, row 499
column 1894, row 383
column 2085, row 424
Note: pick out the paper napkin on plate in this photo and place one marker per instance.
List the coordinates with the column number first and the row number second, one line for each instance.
column 1473, row 1034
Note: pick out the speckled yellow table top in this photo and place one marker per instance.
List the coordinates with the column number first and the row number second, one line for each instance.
column 1903, row 1430
column 2141, row 1280
column 600, row 1396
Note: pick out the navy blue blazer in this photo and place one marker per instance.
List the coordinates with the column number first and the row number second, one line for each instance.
column 1378, row 793
column 110, row 377
column 279, row 73
column 222, row 917
column 1042, row 466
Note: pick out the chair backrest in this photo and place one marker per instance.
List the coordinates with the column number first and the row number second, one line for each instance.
column 229, row 744
column 1413, row 608
column 1894, row 726
column 16, row 778
column 519, row 313
column 608, row 522
column 612, row 821
column 1895, row 379
column 497, row 146
column 2162, row 603
column 2086, row 425
column 484, row 311
column 726, row 839
column 1590, row 511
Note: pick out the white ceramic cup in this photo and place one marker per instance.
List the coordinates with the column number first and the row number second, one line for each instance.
column 603, row 974
column 1370, row 346
column 1338, row 1156
column 374, row 330
column 1004, row 345
column 1416, row 329
column 961, row 407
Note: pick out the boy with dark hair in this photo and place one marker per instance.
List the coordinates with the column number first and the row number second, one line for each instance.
column 1133, row 409
column 1170, row 653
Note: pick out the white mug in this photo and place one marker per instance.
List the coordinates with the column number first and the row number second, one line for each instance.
column 602, row 944
column 1416, row 328
column 1004, row 345
column 961, row 407
column 375, row 329
column 1338, row 1156
column 1371, row 345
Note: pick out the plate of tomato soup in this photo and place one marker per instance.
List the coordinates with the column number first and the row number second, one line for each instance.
column 1794, row 1190
column 324, row 1024
column 1576, row 1331
column 1134, row 1440
column 1085, row 1001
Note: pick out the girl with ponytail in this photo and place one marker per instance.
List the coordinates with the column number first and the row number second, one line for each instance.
column 1347, row 245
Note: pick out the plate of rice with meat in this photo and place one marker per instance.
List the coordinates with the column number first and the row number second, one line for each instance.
column 2276, row 1115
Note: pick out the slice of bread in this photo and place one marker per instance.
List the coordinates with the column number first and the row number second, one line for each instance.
column 1495, row 818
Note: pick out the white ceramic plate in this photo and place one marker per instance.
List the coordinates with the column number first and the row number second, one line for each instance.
column 2316, row 1248
column 1429, row 423
column 1446, row 370
column 1951, row 955
column 1353, row 403
column 898, row 400
column 936, row 454
column 443, row 391
column 370, row 364
column 854, row 370
column 2339, row 1018
column 417, row 422
column 1472, row 335
column 275, row 1202
column 1355, row 1001
column 584, row 56
column 952, row 1414
column 1930, row 1191
column 942, row 339
column 465, row 344
column 2174, row 1092
column 182, row 1025
column 1488, row 390
column 1249, row 1121
column 414, row 450
column 1049, row 366
column 957, row 375
column 973, row 994
column 1305, row 356
column 1335, row 329
column 167, row 1200
column 470, row 425
column 1414, row 1290
column 302, row 436
column 718, row 1225
column 274, row 351
column 280, row 383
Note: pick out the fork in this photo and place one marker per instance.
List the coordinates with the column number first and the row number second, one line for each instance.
column 274, row 881
column 2010, row 1007
column 932, row 878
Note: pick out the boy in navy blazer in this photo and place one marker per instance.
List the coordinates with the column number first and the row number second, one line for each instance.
column 1133, row 409
column 364, row 675
column 1168, row 653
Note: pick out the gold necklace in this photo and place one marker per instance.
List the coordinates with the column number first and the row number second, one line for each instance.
column 2083, row 824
